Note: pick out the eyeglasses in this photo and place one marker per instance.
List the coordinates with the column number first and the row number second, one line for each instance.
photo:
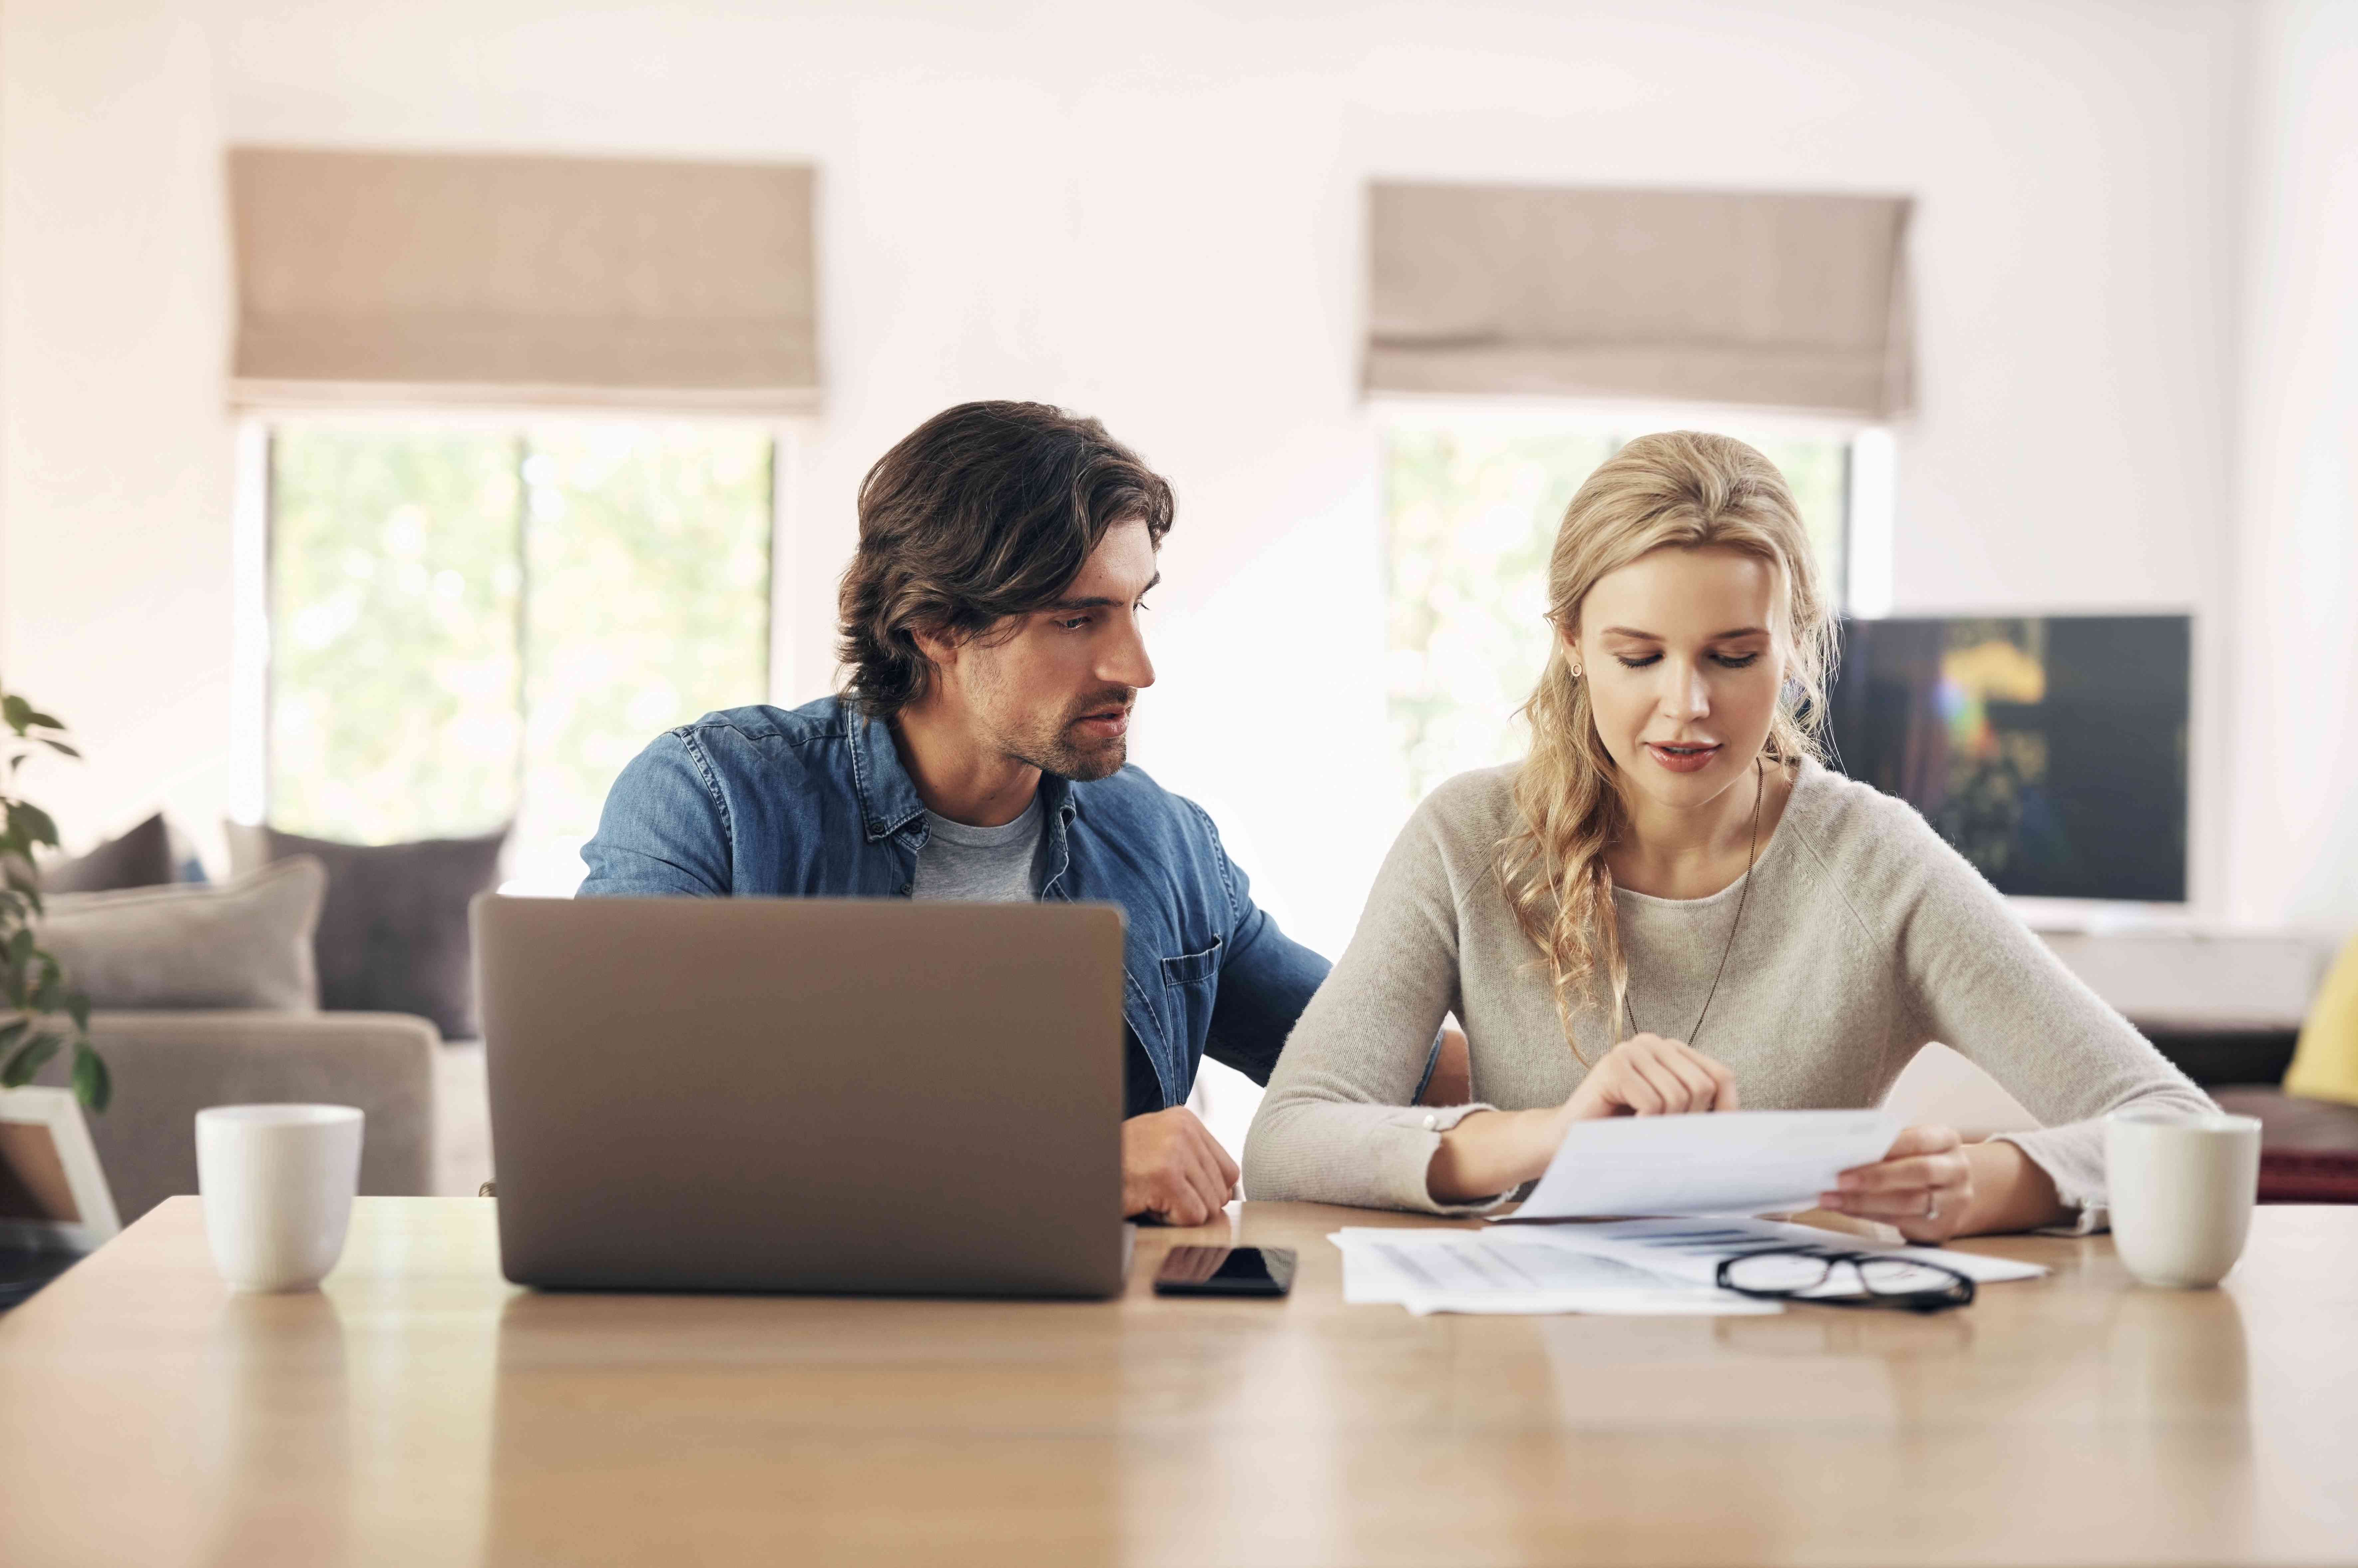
column 1786, row 1274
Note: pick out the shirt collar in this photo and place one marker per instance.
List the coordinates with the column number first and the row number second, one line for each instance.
column 888, row 798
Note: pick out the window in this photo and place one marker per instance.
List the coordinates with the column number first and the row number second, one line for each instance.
column 473, row 626
column 1473, row 501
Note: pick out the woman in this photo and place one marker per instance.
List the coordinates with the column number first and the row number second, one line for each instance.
column 1670, row 906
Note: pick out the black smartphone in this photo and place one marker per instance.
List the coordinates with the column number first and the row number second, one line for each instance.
column 1226, row 1271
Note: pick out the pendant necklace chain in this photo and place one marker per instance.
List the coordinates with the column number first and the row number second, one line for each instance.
column 1751, row 858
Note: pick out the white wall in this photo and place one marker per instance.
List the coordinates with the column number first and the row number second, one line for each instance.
column 2295, row 846
column 114, row 457
column 1152, row 214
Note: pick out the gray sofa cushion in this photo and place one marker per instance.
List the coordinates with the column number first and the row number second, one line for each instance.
column 140, row 859
column 170, row 1065
column 245, row 943
column 393, row 934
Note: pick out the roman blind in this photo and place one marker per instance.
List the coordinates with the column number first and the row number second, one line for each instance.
column 1752, row 299
column 405, row 278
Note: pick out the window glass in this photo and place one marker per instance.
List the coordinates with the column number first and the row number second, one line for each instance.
column 394, row 598
column 471, row 628
column 648, row 604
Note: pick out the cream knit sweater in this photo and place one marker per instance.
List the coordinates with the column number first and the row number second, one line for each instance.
column 1865, row 937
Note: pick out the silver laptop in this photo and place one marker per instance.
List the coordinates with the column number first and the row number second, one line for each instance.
column 859, row 1095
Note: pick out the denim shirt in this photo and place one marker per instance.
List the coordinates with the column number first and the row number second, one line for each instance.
column 814, row 803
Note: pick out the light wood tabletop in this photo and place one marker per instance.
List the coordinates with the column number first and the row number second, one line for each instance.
column 420, row 1409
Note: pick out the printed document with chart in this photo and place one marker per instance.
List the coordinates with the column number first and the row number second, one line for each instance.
column 1671, row 1169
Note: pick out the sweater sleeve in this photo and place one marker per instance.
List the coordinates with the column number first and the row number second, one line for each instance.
column 1975, row 978
column 1338, row 1125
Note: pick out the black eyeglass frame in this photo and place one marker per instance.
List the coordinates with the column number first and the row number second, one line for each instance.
column 1958, row 1293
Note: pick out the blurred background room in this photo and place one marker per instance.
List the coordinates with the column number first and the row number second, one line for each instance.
column 406, row 410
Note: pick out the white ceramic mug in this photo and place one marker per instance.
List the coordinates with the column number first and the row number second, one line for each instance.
column 2183, row 1186
column 277, row 1182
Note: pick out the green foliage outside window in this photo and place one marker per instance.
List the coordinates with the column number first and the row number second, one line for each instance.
column 469, row 627
column 1472, row 509
column 395, row 594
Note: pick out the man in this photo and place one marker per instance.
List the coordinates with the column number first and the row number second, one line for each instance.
column 990, row 626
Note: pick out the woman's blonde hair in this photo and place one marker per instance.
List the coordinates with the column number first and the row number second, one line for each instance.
column 1681, row 490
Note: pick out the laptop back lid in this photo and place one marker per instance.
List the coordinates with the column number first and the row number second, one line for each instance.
column 857, row 1094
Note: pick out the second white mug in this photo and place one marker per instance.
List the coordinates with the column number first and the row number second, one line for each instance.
column 277, row 1182
column 2183, row 1188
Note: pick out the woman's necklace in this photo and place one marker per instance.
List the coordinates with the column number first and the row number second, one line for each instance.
column 1751, row 857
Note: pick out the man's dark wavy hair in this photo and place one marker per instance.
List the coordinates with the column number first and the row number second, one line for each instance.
column 986, row 510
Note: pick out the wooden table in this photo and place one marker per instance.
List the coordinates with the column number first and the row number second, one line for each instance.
column 419, row 1410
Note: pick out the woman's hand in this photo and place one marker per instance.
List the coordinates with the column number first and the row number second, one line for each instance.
column 1491, row 1152
column 1924, row 1185
column 1933, row 1188
column 1649, row 1075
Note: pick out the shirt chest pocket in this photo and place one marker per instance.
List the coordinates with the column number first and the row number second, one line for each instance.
column 1189, row 969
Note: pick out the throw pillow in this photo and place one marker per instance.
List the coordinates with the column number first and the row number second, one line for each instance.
column 141, row 858
column 2325, row 1063
column 245, row 943
column 393, row 933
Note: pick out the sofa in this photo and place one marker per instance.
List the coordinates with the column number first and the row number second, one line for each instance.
column 320, row 971
column 169, row 1064
column 2227, row 1008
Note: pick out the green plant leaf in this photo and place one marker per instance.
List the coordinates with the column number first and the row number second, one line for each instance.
column 30, row 1058
column 78, row 1009
column 16, row 711
column 20, row 948
column 50, row 990
column 30, row 820
column 61, row 748
column 24, row 887
column 40, row 720
column 92, row 1084
column 10, row 1032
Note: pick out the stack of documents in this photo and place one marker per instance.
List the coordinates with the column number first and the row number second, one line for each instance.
column 1630, row 1266
column 1520, row 1269
column 1730, row 1166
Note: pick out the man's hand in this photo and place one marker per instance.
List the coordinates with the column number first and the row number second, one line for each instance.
column 1174, row 1169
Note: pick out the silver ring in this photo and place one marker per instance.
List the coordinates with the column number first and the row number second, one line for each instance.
column 1933, row 1203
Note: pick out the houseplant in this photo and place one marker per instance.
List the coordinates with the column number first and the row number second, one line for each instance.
column 44, row 1014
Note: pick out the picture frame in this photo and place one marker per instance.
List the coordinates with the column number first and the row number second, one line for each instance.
column 53, row 1193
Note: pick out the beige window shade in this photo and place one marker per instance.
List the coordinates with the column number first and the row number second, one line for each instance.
column 1749, row 299
column 405, row 278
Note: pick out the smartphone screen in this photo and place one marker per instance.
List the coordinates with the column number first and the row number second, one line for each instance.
column 1226, row 1271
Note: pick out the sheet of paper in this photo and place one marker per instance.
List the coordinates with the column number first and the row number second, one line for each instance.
column 1690, row 1250
column 1743, row 1162
column 1511, row 1272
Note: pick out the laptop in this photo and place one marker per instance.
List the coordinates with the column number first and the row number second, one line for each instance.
column 839, row 1095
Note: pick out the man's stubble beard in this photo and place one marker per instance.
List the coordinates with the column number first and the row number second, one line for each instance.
column 1052, row 749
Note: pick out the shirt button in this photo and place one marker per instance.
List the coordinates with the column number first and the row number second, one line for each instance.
column 1430, row 1122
